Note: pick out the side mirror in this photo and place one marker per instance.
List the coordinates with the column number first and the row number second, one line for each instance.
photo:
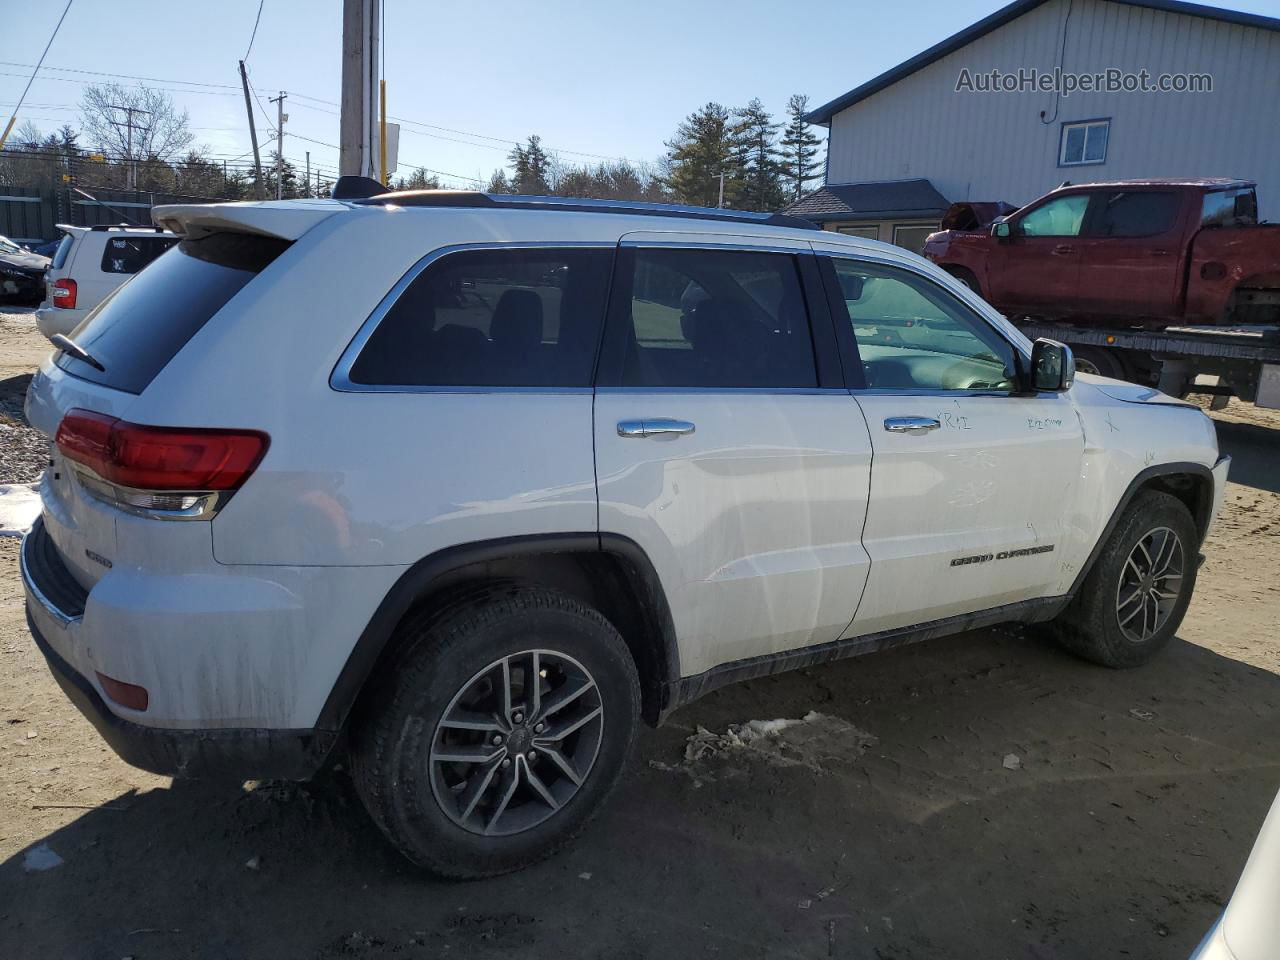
column 1053, row 368
column 851, row 286
column 1001, row 230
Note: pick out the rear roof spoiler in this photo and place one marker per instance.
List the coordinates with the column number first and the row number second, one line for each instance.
column 286, row 220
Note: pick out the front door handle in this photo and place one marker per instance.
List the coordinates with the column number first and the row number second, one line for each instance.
column 657, row 427
column 912, row 425
column 1063, row 249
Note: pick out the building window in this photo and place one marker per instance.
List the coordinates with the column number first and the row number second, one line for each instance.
column 913, row 235
column 1084, row 142
column 866, row 232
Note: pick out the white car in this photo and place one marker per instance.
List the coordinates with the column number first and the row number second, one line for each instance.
column 89, row 264
column 472, row 484
column 1249, row 929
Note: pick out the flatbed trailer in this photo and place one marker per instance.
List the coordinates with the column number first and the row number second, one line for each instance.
column 1242, row 361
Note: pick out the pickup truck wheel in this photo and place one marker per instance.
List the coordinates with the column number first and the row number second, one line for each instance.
column 502, row 727
column 1133, row 600
column 1102, row 363
column 966, row 277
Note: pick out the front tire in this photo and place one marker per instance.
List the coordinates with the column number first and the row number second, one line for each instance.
column 1135, row 596
column 499, row 731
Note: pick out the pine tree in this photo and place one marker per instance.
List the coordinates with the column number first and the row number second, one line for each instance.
column 531, row 167
column 498, row 182
column 799, row 149
column 759, row 174
column 702, row 150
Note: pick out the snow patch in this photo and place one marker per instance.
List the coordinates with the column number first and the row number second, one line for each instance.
column 813, row 741
column 19, row 507
column 40, row 858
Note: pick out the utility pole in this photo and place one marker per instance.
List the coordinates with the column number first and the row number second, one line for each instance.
column 360, row 135
column 130, row 126
column 253, row 137
column 307, row 181
column 720, row 202
column 281, row 117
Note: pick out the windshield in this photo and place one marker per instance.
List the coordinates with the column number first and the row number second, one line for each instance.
column 8, row 246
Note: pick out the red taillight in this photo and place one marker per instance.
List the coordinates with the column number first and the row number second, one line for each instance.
column 160, row 458
column 64, row 293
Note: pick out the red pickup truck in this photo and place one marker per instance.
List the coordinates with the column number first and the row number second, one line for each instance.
column 1131, row 253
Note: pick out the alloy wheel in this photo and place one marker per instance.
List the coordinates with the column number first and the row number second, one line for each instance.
column 516, row 743
column 1150, row 584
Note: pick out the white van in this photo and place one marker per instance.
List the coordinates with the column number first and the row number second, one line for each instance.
column 88, row 265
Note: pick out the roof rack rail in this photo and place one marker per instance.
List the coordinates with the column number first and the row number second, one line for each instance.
column 509, row 201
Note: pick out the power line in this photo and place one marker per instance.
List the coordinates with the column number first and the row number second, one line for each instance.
column 25, row 90
column 208, row 93
column 255, row 30
column 506, row 141
column 119, row 76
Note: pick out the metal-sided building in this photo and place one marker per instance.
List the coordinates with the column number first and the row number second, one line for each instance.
column 926, row 133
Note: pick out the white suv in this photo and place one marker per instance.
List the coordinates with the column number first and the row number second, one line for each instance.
column 89, row 264
column 468, row 485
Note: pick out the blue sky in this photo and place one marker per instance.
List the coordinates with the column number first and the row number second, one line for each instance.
column 592, row 78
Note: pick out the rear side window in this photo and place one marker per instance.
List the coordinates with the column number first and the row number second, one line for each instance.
column 64, row 247
column 140, row 327
column 493, row 318
column 129, row 253
column 1230, row 208
column 711, row 318
column 1139, row 213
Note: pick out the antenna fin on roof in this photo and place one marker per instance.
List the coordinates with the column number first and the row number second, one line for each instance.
column 356, row 188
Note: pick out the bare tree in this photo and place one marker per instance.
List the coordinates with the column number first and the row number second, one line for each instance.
column 137, row 123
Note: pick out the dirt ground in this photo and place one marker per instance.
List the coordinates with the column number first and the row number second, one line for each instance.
column 892, row 826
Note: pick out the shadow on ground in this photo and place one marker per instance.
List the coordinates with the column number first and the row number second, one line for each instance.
column 1254, row 452
column 1121, row 834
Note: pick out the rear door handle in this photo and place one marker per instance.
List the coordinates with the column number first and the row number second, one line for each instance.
column 1063, row 249
column 657, row 427
column 912, row 425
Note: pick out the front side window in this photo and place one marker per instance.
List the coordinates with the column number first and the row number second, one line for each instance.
column 504, row 318
column 1084, row 143
column 913, row 335
column 129, row 253
column 1062, row 217
column 710, row 318
column 1135, row 213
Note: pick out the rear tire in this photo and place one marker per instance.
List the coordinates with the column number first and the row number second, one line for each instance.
column 529, row 769
column 1135, row 596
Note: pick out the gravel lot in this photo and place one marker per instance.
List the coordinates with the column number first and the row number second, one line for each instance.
column 892, row 825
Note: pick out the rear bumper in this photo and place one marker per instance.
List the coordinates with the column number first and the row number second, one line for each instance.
column 239, row 754
column 51, row 320
column 55, row 615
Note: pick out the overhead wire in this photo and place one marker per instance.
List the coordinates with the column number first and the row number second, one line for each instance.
column 30, row 80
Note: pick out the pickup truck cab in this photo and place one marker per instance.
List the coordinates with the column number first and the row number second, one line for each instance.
column 1149, row 253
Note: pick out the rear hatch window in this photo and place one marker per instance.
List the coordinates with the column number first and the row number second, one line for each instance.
column 143, row 325
column 129, row 253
